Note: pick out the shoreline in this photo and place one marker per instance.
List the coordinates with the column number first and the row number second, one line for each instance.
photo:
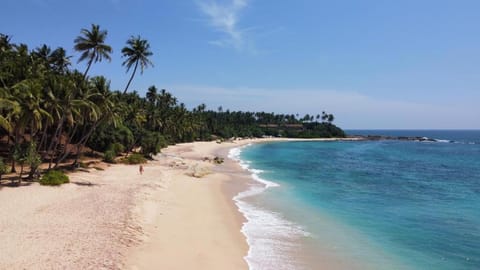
column 163, row 219
column 225, row 182
column 199, row 225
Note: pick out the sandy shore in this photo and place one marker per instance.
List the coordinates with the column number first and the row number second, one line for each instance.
column 119, row 219
column 193, row 223
column 178, row 215
column 86, row 224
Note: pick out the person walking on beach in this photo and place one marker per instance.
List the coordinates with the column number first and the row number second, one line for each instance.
column 141, row 169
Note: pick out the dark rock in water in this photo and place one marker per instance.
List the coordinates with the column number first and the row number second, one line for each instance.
column 394, row 138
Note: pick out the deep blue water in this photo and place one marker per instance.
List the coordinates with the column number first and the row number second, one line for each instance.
column 417, row 202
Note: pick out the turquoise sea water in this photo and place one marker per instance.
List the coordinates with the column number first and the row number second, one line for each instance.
column 367, row 205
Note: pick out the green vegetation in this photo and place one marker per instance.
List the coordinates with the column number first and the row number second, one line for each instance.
column 92, row 46
column 50, row 112
column 33, row 159
column 114, row 150
column 117, row 148
column 54, row 178
column 137, row 52
column 109, row 156
column 3, row 168
column 134, row 159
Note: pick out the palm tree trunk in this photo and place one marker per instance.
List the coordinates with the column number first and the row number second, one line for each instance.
column 88, row 68
column 21, row 171
column 15, row 143
column 43, row 139
column 84, row 141
column 54, row 141
column 65, row 151
column 131, row 78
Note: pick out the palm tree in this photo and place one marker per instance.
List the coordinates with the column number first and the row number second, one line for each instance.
column 330, row 118
column 8, row 107
column 43, row 53
column 152, row 94
column 92, row 46
column 59, row 60
column 324, row 116
column 137, row 52
column 5, row 44
column 102, row 110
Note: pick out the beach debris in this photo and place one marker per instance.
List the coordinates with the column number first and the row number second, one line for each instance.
column 178, row 165
column 218, row 160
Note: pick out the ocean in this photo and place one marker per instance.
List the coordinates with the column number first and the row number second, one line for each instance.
column 364, row 205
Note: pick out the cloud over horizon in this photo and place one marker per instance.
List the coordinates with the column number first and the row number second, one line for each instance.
column 224, row 18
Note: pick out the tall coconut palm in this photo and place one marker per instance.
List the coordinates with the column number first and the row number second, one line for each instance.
column 92, row 46
column 60, row 60
column 137, row 52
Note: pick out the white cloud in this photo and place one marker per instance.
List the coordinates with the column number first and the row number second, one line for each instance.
column 352, row 109
column 224, row 18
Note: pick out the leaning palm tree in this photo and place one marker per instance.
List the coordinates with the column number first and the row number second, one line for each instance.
column 137, row 52
column 92, row 46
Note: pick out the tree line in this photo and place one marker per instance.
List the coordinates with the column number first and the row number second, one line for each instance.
column 51, row 112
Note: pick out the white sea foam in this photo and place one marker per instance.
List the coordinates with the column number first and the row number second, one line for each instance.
column 444, row 141
column 270, row 238
column 269, row 235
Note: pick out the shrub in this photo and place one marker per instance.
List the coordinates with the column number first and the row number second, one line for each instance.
column 106, row 135
column 135, row 158
column 54, row 178
column 109, row 156
column 117, row 148
column 33, row 159
column 152, row 142
column 3, row 168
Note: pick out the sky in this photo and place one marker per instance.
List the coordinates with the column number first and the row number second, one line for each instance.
column 374, row 64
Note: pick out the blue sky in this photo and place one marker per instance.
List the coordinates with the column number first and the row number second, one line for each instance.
column 374, row 64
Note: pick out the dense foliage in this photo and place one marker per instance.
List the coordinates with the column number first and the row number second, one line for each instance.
column 53, row 113
column 54, row 178
column 3, row 168
column 134, row 158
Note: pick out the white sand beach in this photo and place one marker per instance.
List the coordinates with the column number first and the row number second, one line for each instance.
column 178, row 214
column 119, row 219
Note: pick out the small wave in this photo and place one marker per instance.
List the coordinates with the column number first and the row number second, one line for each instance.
column 444, row 141
column 270, row 237
column 235, row 153
column 426, row 139
column 456, row 142
column 252, row 191
column 268, row 184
